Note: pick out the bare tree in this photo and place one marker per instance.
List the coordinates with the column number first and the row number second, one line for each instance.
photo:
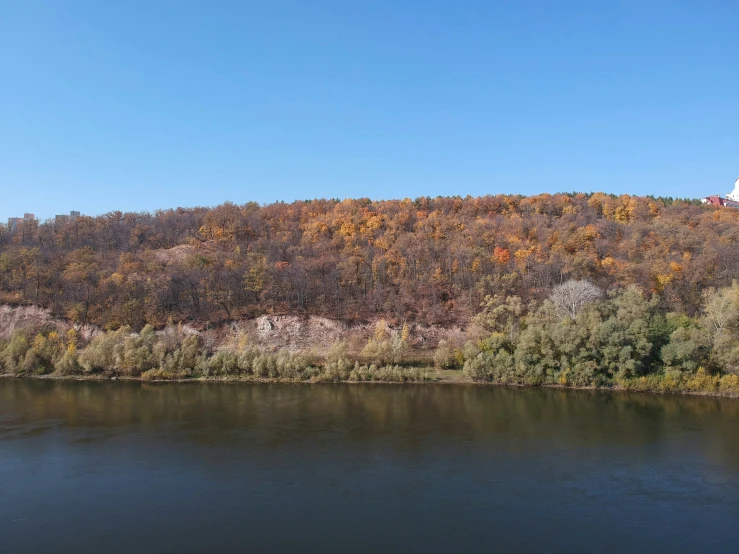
column 722, row 306
column 571, row 296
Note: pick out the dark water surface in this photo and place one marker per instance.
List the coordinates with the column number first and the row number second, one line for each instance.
column 131, row 467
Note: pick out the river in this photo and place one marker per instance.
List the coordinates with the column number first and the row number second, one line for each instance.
column 137, row 467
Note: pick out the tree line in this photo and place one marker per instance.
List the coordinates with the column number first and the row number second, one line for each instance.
column 580, row 337
column 428, row 260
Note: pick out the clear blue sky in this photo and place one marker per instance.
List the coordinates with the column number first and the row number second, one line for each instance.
column 142, row 105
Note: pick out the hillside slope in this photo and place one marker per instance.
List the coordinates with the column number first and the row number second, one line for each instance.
column 430, row 260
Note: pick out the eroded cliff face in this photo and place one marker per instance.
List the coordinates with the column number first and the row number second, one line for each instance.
column 305, row 333
column 272, row 332
column 27, row 318
column 33, row 319
column 299, row 333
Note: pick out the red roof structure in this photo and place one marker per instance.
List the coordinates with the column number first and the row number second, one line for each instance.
column 718, row 201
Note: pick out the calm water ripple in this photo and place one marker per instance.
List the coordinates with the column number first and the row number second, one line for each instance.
column 135, row 467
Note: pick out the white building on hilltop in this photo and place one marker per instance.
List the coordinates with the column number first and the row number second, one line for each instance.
column 731, row 200
column 734, row 194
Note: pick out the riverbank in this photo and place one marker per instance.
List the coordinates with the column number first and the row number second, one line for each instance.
column 697, row 385
column 546, row 358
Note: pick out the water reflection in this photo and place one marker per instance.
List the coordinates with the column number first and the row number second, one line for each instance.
column 336, row 460
column 212, row 413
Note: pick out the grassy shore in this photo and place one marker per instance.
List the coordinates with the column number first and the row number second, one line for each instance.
column 702, row 386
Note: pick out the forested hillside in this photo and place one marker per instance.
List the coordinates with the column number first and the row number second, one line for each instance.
column 429, row 260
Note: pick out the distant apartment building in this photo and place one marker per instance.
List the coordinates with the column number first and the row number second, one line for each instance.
column 15, row 222
column 62, row 219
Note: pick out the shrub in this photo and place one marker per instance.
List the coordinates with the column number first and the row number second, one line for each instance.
column 701, row 381
column 729, row 383
column 388, row 373
column 184, row 359
column 378, row 351
column 445, row 355
column 221, row 363
column 338, row 365
column 104, row 351
column 68, row 363
column 14, row 353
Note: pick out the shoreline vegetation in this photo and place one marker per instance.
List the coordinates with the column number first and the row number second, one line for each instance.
column 579, row 338
column 702, row 385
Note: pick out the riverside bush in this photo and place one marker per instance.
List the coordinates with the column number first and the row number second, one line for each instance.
column 14, row 353
column 446, row 356
column 388, row 373
column 43, row 351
